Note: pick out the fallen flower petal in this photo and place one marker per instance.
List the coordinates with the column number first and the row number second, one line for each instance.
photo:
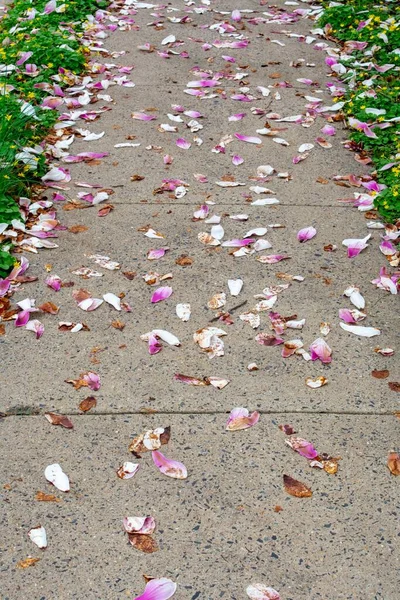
column 306, row 234
column 317, row 382
column 355, row 246
column 393, row 463
column 38, row 536
column 183, row 311
column 356, row 298
column 139, row 525
column 56, row 419
column 160, row 294
column 113, row 300
column 320, row 350
column 36, row 326
column 259, row 591
column 150, row 440
column 239, row 418
column 302, row 447
column 128, row 470
column 55, row 475
column 169, row 467
column 247, row 138
column 158, row 589
column 360, row 330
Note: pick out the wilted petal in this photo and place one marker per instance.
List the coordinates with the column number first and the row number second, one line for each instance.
column 290, row 347
column 317, row 382
column 239, row 418
column 320, row 350
column 158, row 589
column 35, row 326
column 306, row 234
column 89, row 304
column 139, row 525
column 55, row 475
column 351, row 315
column 127, row 470
column 54, row 282
column 355, row 246
column 302, row 447
column 92, row 380
column 356, row 298
column 169, row 467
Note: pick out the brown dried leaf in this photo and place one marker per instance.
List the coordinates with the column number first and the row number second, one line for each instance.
column 394, row 386
column 105, row 210
column 380, row 374
column 153, row 441
column 137, row 177
column 276, row 75
column 129, row 274
column 393, row 463
column 296, row 488
column 117, row 324
column 287, row 429
column 28, row 562
column 87, row 404
column 42, row 497
column 144, row 543
column 49, row 307
column 278, row 508
column 322, row 180
column 80, row 295
column 77, row 228
column 2, row 329
column 184, row 261
column 56, row 419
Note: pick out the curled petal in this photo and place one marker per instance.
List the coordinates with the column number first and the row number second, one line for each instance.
column 237, row 160
column 139, row 525
column 54, row 282
column 259, row 591
column 355, row 246
column 320, row 350
column 35, row 326
column 92, row 380
column 154, row 345
column 127, row 470
column 248, row 138
column 302, row 447
column 239, row 418
column 113, row 300
column 169, row 467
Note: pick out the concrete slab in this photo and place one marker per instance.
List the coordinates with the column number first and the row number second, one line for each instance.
column 218, row 530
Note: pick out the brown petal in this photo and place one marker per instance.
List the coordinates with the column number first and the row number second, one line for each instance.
column 117, row 324
column 184, row 261
column 105, row 210
column 394, row 463
column 394, row 386
column 380, row 374
column 42, row 497
column 129, row 274
column 28, row 562
column 87, row 404
column 49, row 307
column 296, row 488
column 2, row 329
column 56, row 419
column 77, row 228
column 144, row 543
column 287, row 429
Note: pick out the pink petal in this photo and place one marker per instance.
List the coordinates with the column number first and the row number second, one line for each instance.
column 154, row 345
column 202, row 83
column 35, row 326
column 168, row 159
column 328, row 130
column 228, row 58
column 158, row 589
column 306, row 234
column 303, row 447
column 320, row 350
column 271, row 259
column 268, row 340
column 140, row 525
column 169, row 467
column 157, row 253
column 238, row 243
column 92, row 380
column 22, row 318
column 355, row 246
column 387, row 248
column 247, row 138
column 4, row 286
column 239, row 418
column 237, row 160
column 54, row 282
column 160, row 294
column 259, row 591
column 182, row 143
column 142, row 116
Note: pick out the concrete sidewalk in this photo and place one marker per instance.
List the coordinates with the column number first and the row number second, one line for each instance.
column 231, row 523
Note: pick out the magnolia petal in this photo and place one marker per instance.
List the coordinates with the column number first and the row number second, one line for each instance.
column 360, row 330
column 355, row 246
column 36, row 326
column 113, row 300
column 182, row 143
column 235, row 286
column 156, row 253
column 38, row 536
column 160, row 294
column 89, row 304
column 218, row 382
column 306, row 234
column 351, row 315
column 302, row 447
column 239, row 418
column 183, row 311
column 128, row 470
column 140, row 525
column 317, row 382
column 167, row 337
column 259, row 591
column 158, row 589
column 248, row 138
column 237, row 160
column 320, row 350
column 169, row 467
column 55, row 475
column 356, row 298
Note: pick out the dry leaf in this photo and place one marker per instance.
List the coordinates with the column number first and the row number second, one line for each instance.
column 296, row 488
column 287, row 429
column 77, row 228
column 49, row 307
column 144, row 543
column 129, row 274
column 56, row 419
column 184, row 261
column 394, row 386
column 380, row 374
column 87, row 404
column 394, row 463
column 137, row 177
column 42, row 497
column 105, row 210
column 278, row 508
column 117, row 324
column 28, row 562
column 322, row 180
column 2, row 329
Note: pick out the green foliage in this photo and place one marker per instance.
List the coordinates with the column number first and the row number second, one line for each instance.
column 376, row 22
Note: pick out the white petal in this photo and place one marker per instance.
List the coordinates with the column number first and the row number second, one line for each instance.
column 38, row 536
column 360, row 330
column 183, row 311
column 55, row 475
column 235, row 286
column 167, row 337
column 113, row 300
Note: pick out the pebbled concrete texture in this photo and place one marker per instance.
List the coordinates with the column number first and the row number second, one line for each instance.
column 218, row 530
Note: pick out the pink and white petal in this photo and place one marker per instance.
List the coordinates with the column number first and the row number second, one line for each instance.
column 237, row 160
column 302, row 447
column 161, row 294
column 183, row 144
column 259, row 591
column 92, row 380
column 22, row 318
column 128, row 470
column 154, row 345
column 140, row 525
column 321, row 351
column 306, row 234
column 169, row 467
column 239, row 418
column 248, row 138
column 158, row 589
column 36, row 326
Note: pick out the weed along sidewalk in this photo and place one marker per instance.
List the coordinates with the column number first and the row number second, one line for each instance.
column 199, row 324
